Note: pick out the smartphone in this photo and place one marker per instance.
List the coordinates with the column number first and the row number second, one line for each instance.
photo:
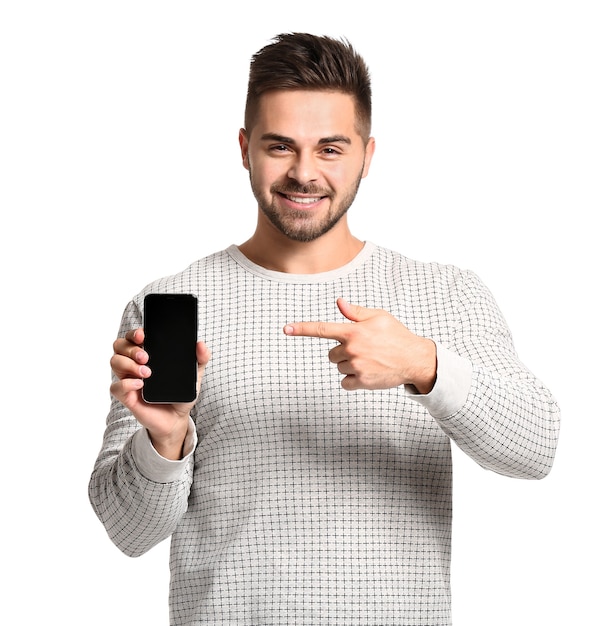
column 170, row 326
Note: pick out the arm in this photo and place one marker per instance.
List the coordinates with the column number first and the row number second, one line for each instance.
column 142, row 476
column 137, row 509
column 475, row 387
column 485, row 399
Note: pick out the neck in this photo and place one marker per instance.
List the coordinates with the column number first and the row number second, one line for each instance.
column 328, row 252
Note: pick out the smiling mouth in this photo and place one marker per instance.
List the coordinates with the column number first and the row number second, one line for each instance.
column 307, row 200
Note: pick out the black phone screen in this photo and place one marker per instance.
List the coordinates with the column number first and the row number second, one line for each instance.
column 170, row 326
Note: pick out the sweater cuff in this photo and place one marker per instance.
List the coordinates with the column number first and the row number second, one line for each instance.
column 155, row 467
column 453, row 381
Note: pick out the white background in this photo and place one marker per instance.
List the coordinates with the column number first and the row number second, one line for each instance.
column 119, row 163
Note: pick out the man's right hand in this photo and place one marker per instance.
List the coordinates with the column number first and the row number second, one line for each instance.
column 166, row 423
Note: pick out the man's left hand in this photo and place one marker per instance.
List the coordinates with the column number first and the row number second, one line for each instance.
column 376, row 351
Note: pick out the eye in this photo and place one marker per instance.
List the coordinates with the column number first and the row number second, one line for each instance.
column 330, row 151
column 279, row 147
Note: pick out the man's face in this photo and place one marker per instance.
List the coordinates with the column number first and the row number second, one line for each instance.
column 305, row 160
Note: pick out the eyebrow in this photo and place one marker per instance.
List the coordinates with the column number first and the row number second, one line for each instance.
column 291, row 141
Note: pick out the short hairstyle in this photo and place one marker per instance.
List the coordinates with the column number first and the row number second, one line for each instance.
column 296, row 61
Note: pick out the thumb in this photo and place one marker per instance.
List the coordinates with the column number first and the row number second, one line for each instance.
column 203, row 354
column 354, row 312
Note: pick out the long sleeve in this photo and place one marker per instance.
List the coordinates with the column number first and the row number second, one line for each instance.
column 139, row 496
column 486, row 400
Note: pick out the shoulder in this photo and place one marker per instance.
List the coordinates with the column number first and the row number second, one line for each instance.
column 195, row 278
column 414, row 271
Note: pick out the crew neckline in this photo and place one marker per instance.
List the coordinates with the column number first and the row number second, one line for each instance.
column 362, row 256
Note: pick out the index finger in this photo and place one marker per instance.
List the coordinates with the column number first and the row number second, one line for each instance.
column 322, row 330
column 131, row 346
column 136, row 336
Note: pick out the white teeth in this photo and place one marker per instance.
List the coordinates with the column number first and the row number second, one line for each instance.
column 303, row 200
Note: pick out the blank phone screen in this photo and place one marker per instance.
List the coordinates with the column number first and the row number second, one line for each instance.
column 170, row 326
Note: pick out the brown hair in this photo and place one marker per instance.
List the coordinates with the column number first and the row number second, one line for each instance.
column 304, row 61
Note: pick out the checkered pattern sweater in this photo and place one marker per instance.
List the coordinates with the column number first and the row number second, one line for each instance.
column 298, row 502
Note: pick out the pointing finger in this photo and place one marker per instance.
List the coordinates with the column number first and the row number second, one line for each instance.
column 322, row 330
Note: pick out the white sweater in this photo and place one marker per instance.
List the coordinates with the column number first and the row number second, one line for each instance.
column 301, row 503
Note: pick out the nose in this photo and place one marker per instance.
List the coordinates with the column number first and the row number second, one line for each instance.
column 304, row 168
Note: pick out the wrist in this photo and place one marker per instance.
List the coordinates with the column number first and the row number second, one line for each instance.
column 170, row 446
column 424, row 377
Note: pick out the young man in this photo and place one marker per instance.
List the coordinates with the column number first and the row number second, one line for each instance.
column 310, row 483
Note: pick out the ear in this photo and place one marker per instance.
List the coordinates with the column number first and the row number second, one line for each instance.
column 244, row 143
column 370, row 148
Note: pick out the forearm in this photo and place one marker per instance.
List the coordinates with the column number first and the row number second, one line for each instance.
column 509, row 427
column 508, row 424
column 504, row 417
column 139, row 496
